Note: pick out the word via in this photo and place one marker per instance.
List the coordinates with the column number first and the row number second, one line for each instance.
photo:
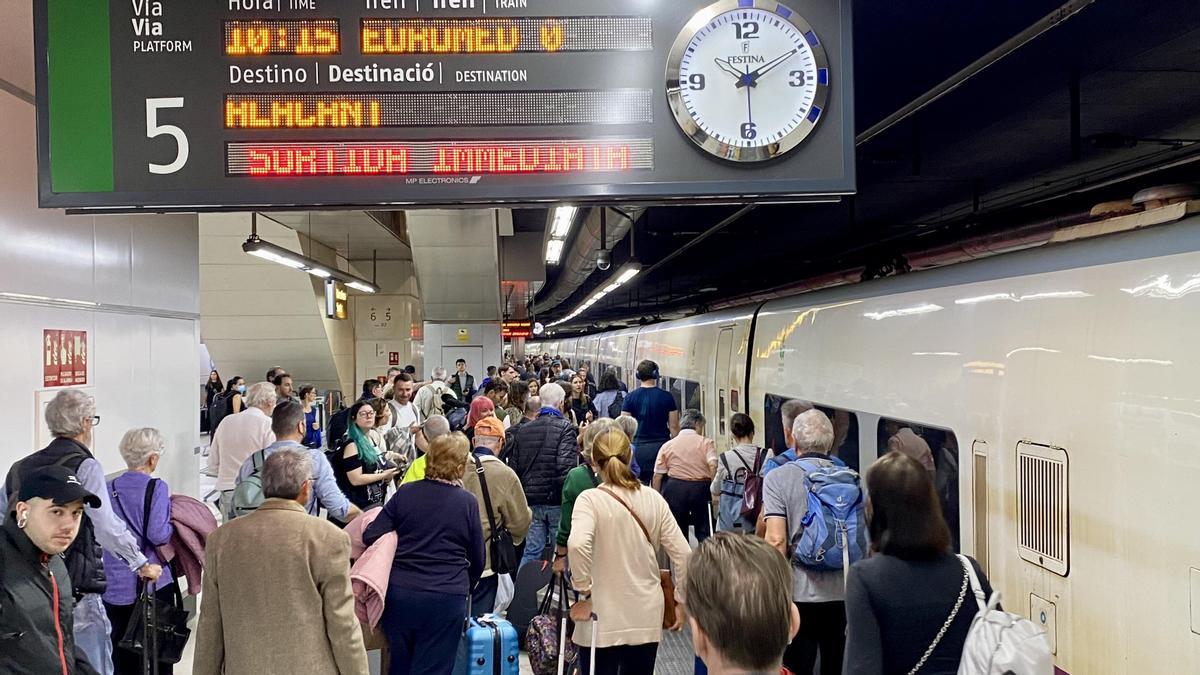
column 143, row 26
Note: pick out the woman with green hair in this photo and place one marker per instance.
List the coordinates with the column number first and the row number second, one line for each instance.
column 363, row 474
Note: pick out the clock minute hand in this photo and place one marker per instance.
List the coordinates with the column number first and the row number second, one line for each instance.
column 768, row 67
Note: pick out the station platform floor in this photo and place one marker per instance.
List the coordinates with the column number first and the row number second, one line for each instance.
column 675, row 653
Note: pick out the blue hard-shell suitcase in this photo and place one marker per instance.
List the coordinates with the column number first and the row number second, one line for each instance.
column 488, row 647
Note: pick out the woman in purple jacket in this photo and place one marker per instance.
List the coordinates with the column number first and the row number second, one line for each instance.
column 141, row 449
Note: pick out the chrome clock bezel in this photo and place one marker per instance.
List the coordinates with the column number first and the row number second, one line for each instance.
column 724, row 150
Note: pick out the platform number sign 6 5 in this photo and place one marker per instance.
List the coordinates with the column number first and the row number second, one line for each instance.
column 154, row 129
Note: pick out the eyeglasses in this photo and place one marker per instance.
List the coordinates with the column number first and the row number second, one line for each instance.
column 95, row 420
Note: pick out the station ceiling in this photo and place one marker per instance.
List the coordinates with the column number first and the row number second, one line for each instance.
column 1005, row 148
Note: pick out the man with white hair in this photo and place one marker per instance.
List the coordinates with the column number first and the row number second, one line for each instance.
column 71, row 417
column 544, row 451
column 248, row 432
column 277, row 594
column 819, row 594
column 429, row 397
column 501, row 502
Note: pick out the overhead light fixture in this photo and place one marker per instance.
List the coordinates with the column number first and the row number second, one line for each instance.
column 554, row 249
column 561, row 221
column 622, row 276
column 259, row 248
column 564, row 218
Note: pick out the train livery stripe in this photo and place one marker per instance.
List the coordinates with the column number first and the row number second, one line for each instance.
column 80, row 94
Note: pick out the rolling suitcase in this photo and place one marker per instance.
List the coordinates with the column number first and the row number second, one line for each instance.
column 533, row 578
column 488, row 647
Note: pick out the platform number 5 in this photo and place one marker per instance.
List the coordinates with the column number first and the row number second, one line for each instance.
column 154, row 129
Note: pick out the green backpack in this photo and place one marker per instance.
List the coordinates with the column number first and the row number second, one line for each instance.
column 248, row 495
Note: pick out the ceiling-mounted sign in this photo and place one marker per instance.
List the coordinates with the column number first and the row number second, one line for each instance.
column 510, row 330
column 464, row 335
column 337, row 300
column 538, row 328
column 306, row 103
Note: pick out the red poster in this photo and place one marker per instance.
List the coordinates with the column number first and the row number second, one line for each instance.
column 64, row 358
column 393, row 358
column 50, row 341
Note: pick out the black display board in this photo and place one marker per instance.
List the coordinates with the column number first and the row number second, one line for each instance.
column 222, row 104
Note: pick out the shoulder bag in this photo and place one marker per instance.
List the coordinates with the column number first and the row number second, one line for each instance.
column 664, row 576
column 501, row 550
column 167, row 621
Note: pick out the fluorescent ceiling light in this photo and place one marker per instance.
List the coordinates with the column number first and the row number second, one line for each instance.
column 554, row 249
column 259, row 248
column 276, row 258
column 85, row 303
column 612, row 287
column 564, row 218
column 628, row 274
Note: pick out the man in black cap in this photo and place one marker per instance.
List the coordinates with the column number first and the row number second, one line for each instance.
column 35, row 588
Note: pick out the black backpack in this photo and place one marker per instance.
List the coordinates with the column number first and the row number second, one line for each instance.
column 618, row 404
column 218, row 410
column 336, row 429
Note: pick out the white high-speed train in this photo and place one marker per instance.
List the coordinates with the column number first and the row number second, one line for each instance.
column 1058, row 389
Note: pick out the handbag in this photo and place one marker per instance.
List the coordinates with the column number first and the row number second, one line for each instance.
column 664, row 576
column 546, row 638
column 169, row 631
column 501, row 549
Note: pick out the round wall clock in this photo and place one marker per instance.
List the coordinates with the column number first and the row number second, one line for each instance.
column 747, row 79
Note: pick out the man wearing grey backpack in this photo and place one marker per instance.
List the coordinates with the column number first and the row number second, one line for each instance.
column 288, row 424
column 819, row 594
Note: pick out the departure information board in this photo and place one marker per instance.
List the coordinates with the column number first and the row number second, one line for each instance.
column 260, row 104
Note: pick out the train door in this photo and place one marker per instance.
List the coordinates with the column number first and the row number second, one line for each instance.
column 726, row 382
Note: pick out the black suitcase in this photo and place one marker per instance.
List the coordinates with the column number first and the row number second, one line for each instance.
column 530, row 585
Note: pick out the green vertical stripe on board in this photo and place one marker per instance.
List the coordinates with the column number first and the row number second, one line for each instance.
column 80, row 96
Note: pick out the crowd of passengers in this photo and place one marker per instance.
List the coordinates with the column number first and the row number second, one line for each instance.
column 378, row 532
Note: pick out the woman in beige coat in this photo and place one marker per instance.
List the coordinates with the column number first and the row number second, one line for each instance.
column 614, row 563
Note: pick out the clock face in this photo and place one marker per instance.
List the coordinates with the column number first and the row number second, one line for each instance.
column 747, row 79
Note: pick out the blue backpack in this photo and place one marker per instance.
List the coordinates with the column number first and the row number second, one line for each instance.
column 835, row 527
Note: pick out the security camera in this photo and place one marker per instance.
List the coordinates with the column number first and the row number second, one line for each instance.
column 603, row 260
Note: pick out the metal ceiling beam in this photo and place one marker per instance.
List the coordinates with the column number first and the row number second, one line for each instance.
column 1009, row 46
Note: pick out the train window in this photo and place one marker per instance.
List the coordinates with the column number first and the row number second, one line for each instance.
column 685, row 392
column 845, row 429
column 605, row 367
column 937, row 450
column 734, row 404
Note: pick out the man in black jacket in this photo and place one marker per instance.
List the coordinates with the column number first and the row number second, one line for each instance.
column 36, row 597
column 544, row 451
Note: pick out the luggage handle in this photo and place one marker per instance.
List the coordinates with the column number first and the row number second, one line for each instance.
column 150, row 632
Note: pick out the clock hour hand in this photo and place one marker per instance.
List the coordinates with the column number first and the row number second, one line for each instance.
column 753, row 76
column 729, row 68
